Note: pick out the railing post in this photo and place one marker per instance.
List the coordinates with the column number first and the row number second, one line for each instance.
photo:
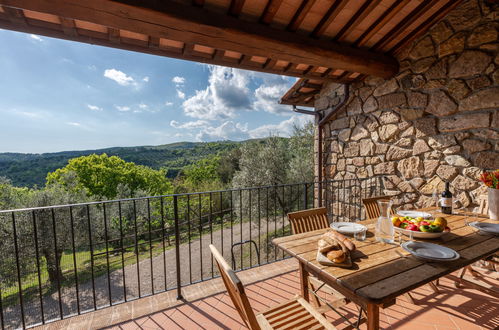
column 305, row 194
column 177, row 247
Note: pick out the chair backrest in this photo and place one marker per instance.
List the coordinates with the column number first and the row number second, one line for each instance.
column 308, row 220
column 235, row 289
column 371, row 206
column 483, row 205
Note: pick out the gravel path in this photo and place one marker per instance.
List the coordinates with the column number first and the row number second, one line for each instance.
column 200, row 262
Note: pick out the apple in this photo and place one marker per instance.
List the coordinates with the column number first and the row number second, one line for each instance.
column 412, row 227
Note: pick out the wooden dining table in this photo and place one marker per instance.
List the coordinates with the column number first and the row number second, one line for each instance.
column 382, row 272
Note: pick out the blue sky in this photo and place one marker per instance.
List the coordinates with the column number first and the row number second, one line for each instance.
column 59, row 95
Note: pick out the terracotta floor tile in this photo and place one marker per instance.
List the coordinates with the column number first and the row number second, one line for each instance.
column 453, row 308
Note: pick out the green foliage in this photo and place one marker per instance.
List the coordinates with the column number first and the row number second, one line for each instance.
column 101, row 175
column 31, row 169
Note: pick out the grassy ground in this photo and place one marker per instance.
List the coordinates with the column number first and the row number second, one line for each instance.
column 117, row 260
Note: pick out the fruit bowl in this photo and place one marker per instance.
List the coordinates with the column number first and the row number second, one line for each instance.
column 419, row 234
column 420, row 227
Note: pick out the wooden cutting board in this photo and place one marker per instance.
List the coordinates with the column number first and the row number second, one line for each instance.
column 323, row 260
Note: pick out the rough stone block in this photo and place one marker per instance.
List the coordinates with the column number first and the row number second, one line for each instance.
column 447, row 172
column 388, row 132
column 485, row 99
column 422, row 48
column 390, row 101
column 456, row 160
column 482, row 35
column 387, row 87
column 426, row 126
column 468, row 64
column 441, row 105
column 474, row 145
column 464, row 183
column 464, row 122
column 410, row 167
column 420, row 147
column 430, row 167
column 385, row 168
column 434, row 184
column 339, row 123
column 487, row 160
column 453, row 45
column 396, row 153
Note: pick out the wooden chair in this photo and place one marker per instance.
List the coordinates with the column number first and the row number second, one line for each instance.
column 489, row 264
column 310, row 220
column 293, row 314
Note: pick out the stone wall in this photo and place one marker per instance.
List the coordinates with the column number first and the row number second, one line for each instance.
column 436, row 121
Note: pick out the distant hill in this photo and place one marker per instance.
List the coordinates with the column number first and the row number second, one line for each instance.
column 31, row 169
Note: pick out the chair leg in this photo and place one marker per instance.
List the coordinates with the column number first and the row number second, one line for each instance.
column 314, row 295
column 410, row 298
column 434, row 286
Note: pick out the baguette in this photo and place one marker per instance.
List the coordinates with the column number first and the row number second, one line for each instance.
column 325, row 246
column 340, row 238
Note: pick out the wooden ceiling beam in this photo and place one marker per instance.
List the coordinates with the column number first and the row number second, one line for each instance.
column 423, row 7
column 300, row 14
column 15, row 15
column 198, row 3
column 236, row 6
column 270, row 11
column 68, row 26
column 172, row 20
column 114, row 35
column 382, row 20
column 437, row 16
column 102, row 39
column 357, row 18
column 331, row 14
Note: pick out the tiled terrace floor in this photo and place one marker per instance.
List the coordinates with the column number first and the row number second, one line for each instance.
column 208, row 307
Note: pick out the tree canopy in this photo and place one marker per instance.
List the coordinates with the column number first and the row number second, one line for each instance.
column 101, row 175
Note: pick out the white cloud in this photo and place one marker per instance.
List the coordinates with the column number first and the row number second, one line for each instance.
column 71, row 123
column 28, row 114
column 226, row 93
column 120, row 77
column 35, row 37
column 228, row 130
column 189, row 124
column 93, row 107
column 122, row 108
column 180, row 94
column 92, row 67
column 284, row 128
column 143, row 106
column 178, row 80
column 168, row 104
column 267, row 99
column 146, row 79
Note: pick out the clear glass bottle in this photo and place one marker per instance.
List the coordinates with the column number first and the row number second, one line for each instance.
column 384, row 227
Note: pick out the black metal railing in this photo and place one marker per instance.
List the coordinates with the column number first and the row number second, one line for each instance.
column 60, row 261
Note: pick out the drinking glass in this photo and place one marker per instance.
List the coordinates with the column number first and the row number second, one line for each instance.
column 360, row 235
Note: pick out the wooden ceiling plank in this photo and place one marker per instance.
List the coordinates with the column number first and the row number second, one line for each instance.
column 357, row 18
column 384, row 18
column 236, row 6
column 101, row 39
column 437, row 16
column 270, row 11
column 329, row 17
column 423, row 7
column 300, row 14
column 68, row 26
column 172, row 20
column 270, row 63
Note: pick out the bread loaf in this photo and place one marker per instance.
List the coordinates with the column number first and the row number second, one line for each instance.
column 340, row 238
column 336, row 256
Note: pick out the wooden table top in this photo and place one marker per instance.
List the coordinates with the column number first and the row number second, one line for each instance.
column 381, row 272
